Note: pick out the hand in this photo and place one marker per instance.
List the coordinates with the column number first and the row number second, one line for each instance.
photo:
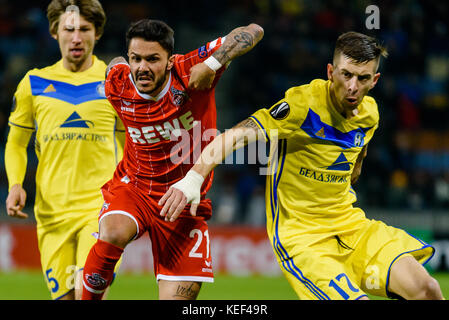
column 16, row 201
column 201, row 77
column 186, row 190
column 174, row 202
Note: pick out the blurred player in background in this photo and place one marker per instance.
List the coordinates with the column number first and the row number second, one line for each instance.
column 78, row 144
column 166, row 102
column 319, row 133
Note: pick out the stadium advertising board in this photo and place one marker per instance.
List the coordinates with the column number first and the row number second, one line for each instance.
column 235, row 250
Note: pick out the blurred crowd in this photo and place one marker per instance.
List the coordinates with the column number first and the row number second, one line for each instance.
column 408, row 160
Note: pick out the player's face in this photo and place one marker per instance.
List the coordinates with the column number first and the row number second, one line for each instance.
column 76, row 38
column 150, row 65
column 351, row 81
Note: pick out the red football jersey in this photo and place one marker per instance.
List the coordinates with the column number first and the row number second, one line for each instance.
column 165, row 134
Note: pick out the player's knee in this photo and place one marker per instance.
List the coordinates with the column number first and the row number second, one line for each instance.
column 117, row 229
column 115, row 236
column 429, row 289
column 432, row 289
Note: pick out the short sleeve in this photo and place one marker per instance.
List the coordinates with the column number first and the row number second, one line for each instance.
column 183, row 63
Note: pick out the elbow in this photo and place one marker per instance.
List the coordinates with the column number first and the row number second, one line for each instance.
column 257, row 30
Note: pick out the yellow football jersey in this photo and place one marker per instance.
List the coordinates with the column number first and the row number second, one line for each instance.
column 326, row 247
column 75, row 138
column 309, row 190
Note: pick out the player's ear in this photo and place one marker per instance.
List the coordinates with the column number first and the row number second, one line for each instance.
column 330, row 71
column 171, row 61
column 375, row 79
column 54, row 35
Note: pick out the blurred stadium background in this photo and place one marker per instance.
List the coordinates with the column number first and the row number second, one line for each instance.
column 405, row 178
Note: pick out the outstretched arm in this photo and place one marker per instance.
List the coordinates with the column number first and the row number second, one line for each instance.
column 238, row 42
column 188, row 189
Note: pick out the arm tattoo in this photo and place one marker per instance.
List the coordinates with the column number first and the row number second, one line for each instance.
column 245, row 39
column 247, row 123
column 238, row 42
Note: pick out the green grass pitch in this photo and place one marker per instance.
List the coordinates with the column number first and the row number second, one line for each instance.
column 30, row 286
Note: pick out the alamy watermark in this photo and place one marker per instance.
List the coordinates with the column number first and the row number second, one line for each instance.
column 73, row 16
column 190, row 140
column 373, row 20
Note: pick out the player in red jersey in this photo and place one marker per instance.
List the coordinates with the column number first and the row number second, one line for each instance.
column 166, row 102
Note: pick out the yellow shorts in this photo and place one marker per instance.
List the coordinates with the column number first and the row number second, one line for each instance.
column 349, row 265
column 63, row 249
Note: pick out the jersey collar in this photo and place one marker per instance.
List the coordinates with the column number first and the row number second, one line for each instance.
column 147, row 96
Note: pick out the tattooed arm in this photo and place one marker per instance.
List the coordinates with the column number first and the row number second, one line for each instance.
column 238, row 42
column 188, row 188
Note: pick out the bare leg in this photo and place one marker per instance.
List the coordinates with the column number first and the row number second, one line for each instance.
column 69, row 296
column 410, row 280
column 178, row 290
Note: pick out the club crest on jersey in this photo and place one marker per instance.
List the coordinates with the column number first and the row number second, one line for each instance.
column 358, row 139
column 179, row 97
column 100, row 89
column 96, row 280
column 280, row 111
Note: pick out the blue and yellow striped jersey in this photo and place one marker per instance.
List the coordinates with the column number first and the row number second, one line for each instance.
column 309, row 189
column 75, row 137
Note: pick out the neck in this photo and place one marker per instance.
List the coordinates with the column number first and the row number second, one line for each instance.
column 78, row 67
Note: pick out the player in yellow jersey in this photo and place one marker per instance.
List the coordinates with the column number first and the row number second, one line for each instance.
column 78, row 143
column 319, row 134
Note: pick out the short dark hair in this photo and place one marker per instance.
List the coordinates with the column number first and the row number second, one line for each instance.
column 359, row 47
column 152, row 30
column 91, row 10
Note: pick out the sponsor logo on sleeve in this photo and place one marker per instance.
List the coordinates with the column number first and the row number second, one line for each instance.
column 202, row 52
column 280, row 111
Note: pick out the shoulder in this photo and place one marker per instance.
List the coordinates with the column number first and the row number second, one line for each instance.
column 25, row 82
column 303, row 96
column 118, row 63
column 179, row 57
column 370, row 109
column 307, row 91
column 99, row 63
column 47, row 71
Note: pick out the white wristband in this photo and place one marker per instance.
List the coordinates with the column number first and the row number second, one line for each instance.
column 213, row 63
column 190, row 185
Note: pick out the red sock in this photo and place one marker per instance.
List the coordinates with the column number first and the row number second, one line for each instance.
column 99, row 269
